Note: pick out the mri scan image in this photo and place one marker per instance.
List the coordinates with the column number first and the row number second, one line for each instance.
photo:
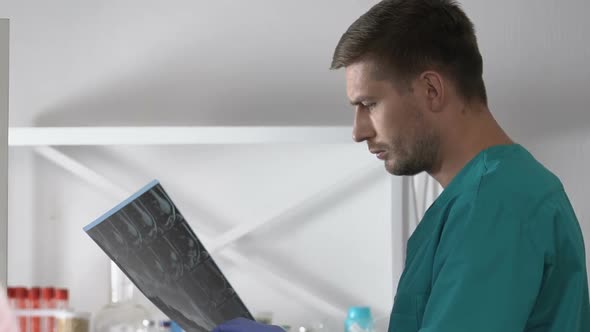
column 148, row 238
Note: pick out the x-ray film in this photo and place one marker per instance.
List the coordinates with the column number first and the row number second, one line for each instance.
column 151, row 242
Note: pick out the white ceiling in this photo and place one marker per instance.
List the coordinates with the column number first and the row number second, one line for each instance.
column 180, row 62
column 265, row 62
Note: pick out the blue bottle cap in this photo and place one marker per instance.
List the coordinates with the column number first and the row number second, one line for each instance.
column 359, row 313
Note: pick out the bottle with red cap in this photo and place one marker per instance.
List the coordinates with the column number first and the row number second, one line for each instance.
column 47, row 297
column 35, row 303
column 62, row 298
column 21, row 302
column 47, row 302
column 11, row 294
column 30, row 305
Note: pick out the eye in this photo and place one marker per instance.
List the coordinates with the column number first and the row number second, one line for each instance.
column 369, row 105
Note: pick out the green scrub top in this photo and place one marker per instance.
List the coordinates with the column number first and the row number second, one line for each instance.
column 500, row 250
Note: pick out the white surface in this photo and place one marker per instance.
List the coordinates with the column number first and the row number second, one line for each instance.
column 99, row 182
column 335, row 188
column 22, row 248
column 177, row 63
column 48, row 209
column 35, row 136
column 4, row 79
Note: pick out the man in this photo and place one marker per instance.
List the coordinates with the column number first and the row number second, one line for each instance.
column 501, row 248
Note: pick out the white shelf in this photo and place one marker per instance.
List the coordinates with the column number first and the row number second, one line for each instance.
column 54, row 136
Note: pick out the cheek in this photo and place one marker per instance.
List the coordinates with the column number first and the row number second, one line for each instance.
column 388, row 120
column 397, row 126
column 404, row 134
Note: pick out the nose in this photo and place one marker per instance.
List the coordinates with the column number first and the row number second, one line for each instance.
column 362, row 129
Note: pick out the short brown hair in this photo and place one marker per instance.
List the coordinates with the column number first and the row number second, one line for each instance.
column 410, row 36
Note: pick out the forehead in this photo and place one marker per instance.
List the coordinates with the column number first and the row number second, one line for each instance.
column 362, row 80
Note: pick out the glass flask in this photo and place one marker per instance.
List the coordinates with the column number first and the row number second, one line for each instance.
column 122, row 314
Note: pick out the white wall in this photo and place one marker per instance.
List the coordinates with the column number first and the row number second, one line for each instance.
column 567, row 154
column 21, row 217
column 339, row 245
column 47, row 209
column 4, row 39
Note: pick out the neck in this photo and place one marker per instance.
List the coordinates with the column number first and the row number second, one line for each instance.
column 477, row 132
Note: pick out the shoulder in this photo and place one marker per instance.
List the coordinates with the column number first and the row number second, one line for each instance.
column 518, row 182
column 507, row 188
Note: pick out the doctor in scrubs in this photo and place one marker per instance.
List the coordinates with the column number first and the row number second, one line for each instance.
column 501, row 249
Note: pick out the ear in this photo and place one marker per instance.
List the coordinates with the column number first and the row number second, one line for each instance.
column 434, row 90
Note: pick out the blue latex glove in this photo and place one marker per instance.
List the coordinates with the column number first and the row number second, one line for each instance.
column 246, row 325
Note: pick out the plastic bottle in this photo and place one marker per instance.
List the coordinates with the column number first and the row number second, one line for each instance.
column 47, row 297
column 35, row 303
column 359, row 320
column 21, row 301
column 48, row 302
column 11, row 294
column 72, row 321
column 165, row 325
column 62, row 299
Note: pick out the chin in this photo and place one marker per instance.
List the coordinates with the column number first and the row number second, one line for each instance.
column 400, row 170
column 390, row 167
column 395, row 172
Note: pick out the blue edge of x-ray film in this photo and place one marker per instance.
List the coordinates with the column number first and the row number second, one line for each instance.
column 175, row 327
column 112, row 211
